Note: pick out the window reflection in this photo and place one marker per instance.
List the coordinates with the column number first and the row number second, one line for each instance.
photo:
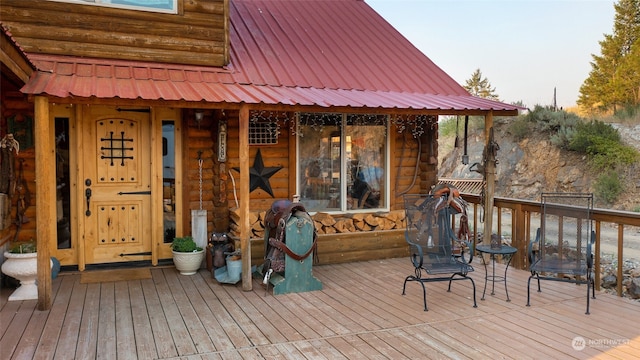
column 63, row 189
column 342, row 162
column 168, row 180
column 320, row 164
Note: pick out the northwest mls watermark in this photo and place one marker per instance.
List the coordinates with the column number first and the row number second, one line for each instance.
column 579, row 343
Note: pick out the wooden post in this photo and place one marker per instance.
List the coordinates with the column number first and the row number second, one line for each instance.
column 45, row 199
column 245, row 245
column 490, row 180
column 518, row 237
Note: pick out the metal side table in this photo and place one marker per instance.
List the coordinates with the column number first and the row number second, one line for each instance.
column 507, row 252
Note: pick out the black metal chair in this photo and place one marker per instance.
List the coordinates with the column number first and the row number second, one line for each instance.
column 436, row 253
column 563, row 248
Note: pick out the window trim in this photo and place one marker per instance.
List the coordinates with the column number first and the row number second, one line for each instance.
column 175, row 4
column 343, row 168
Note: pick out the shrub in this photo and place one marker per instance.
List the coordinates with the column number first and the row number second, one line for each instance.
column 608, row 187
column 563, row 137
column 588, row 133
column 447, row 126
column 603, row 145
column 24, row 247
column 184, row 244
column 519, row 128
column 606, row 154
column 546, row 119
column 628, row 112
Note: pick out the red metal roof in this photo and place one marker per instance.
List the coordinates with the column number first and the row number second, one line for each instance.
column 9, row 37
column 328, row 53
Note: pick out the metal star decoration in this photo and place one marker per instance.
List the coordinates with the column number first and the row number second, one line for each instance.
column 259, row 174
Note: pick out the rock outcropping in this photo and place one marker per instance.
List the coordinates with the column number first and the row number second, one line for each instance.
column 533, row 165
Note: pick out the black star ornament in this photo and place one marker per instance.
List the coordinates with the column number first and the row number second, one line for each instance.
column 259, row 175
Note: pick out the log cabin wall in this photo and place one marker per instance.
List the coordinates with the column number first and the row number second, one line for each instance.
column 197, row 35
column 406, row 177
column 413, row 170
column 347, row 237
column 277, row 155
column 428, row 160
column 14, row 105
column 414, row 163
column 221, row 181
column 198, row 140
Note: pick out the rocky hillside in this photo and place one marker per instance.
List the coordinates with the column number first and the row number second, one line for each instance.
column 530, row 166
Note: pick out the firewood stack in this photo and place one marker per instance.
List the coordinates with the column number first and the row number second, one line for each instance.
column 326, row 223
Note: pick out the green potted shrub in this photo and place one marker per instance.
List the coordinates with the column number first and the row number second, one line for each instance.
column 187, row 255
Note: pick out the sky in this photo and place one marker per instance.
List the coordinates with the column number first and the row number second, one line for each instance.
column 525, row 48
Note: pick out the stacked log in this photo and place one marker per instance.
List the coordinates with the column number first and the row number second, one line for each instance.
column 326, row 223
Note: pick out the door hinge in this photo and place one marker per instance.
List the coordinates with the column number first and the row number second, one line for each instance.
column 148, row 192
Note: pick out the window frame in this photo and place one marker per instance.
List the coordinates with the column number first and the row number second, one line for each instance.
column 344, row 173
column 174, row 5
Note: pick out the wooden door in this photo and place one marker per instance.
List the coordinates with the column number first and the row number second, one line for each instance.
column 115, row 157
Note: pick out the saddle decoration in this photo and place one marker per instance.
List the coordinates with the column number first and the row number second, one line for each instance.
column 449, row 195
column 275, row 243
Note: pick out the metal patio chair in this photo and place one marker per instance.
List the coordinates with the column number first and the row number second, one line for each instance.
column 563, row 248
column 436, row 253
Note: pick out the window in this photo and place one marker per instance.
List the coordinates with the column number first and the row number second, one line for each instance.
column 263, row 133
column 169, row 179
column 166, row 6
column 63, row 182
column 342, row 161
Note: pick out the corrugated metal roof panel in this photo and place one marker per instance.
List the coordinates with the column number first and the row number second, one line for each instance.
column 328, row 53
column 329, row 44
column 194, row 88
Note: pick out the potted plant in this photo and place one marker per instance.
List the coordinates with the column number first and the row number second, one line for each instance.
column 187, row 255
column 21, row 263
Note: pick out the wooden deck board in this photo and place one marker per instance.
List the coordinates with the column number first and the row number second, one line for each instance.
column 228, row 328
column 141, row 322
column 164, row 345
column 107, row 346
column 208, row 318
column 28, row 340
column 175, row 321
column 86, row 347
column 359, row 313
column 54, row 321
column 72, row 320
column 15, row 320
column 125, row 336
column 186, row 296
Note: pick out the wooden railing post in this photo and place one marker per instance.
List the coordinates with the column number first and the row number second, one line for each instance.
column 596, row 252
column 518, row 239
column 620, row 258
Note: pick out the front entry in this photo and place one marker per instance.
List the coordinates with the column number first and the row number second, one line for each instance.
column 115, row 182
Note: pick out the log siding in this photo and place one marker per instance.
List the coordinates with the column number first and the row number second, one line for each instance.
column 197, row 36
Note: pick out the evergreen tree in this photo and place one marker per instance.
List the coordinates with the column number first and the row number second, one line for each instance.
column 614, row 79
column 480, row 87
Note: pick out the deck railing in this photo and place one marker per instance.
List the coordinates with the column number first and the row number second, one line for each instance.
column 522, row 230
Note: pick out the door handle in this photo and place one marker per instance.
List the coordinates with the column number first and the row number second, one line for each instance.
column 87, row 194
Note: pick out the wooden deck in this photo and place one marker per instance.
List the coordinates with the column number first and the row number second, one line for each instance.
column 359, row 314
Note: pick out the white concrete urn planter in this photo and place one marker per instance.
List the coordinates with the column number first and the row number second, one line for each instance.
column 23, row 267
column 188, row 263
